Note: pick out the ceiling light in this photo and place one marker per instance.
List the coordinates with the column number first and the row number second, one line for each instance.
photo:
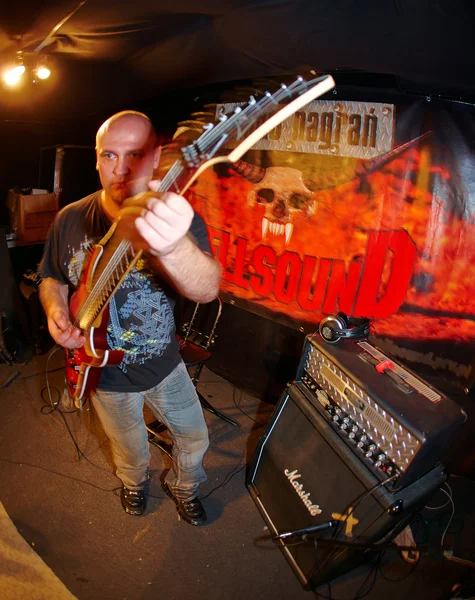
column 13, row 75
column 43, row 72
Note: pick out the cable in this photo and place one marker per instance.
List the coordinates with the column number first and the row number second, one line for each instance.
column 14, row 462
column 333, row 542
column 442, row 505
column 41, row 373
column 54, row 407
column 58, row 26
column 228, row 477
column 446, row 553
column 413, row 567
column 235, row 389
column 240, row 409
column 47, row 379
column 374, row 573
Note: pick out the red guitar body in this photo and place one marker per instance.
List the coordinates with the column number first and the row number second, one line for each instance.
column 84, row 365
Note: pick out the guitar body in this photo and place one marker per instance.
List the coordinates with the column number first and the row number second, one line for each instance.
column 84, row 365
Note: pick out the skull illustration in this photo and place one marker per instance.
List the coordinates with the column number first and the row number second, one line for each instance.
column 283, row 193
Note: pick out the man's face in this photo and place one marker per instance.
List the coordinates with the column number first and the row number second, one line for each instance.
column 126, row 158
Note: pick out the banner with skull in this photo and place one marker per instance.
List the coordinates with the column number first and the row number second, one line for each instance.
column 362, row 207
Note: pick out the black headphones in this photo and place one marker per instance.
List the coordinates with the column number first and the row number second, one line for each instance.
column 336, row 327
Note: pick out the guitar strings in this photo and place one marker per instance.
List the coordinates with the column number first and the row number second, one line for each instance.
column 92, row 303
column 95, row 300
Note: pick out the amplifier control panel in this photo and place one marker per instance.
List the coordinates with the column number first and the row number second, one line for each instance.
column 358, row 433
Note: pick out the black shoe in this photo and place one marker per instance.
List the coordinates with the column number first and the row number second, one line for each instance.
column 191, row 511
column 133, row 501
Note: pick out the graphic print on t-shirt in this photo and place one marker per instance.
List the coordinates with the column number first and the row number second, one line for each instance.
column 143, row 325
column 79, row 260
column 140, row 316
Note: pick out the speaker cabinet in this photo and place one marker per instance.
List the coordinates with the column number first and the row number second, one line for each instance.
column 304, row 475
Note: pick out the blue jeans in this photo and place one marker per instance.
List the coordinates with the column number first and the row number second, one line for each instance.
column 175, row 402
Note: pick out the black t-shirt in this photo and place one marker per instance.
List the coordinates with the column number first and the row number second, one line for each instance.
column 141, row 319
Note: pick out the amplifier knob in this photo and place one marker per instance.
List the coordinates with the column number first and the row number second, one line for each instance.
column 344, row 426
column 313, row 386
column 368, row 454
column 360, row 444
column 354, row 429
column 382, row 457
column 372, row 447
column 346, row 419
column 338, row 410
column 351, row 435
column 363, row 438
column 336, row 418
column 378, row 463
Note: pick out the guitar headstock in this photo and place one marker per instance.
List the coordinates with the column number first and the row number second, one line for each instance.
column 250, row 121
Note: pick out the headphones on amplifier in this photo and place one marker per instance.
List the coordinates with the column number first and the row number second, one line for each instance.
column 336, row 327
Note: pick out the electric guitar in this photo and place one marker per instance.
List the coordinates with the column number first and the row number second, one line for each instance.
column 112, row 258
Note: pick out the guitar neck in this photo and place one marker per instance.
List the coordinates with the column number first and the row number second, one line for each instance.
column 118, row 257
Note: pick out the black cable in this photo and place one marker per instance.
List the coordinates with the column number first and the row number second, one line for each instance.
column 22, row 463
column 357, row 546
column 353, row 504
column 235, row 389
column 413, row 567
column 227, row 479
column 374, row 572
column 42, row 373
column 327, row 583
column 332, row 542
column 53, row 407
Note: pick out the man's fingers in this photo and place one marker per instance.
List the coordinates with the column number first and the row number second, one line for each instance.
column 140, row 199
column 154, row 240
column 69, row 337
column 154, row 184
column 61, row 321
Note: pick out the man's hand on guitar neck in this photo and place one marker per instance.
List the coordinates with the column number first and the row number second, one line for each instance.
column 155, row 221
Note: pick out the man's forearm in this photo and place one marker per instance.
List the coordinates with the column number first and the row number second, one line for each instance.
column 194, row 273
column 54, row 296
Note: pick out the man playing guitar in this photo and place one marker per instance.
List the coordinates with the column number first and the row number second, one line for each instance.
column 175, row 259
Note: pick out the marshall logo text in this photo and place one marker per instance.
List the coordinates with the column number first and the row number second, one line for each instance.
column 293, row 477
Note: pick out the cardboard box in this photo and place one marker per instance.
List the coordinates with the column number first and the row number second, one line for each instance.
column 31, row 215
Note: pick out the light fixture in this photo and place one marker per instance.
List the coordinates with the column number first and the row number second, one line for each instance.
column 13, row 75
column 42, row 70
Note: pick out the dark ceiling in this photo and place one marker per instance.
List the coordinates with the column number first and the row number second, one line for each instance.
column 112, row 54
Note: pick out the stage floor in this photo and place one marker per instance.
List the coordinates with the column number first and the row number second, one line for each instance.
column 65, row 505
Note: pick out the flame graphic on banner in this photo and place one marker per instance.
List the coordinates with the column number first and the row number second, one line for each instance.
column 405, row 193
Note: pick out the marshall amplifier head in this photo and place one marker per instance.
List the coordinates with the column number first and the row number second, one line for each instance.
column 393, row 421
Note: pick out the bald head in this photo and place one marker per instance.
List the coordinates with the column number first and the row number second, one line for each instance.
column 128, row 119
column 127, row 154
